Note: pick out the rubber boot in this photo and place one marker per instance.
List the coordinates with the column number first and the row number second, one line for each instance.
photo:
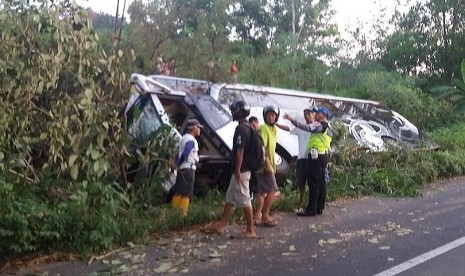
column 175, row 201
column 184, row 205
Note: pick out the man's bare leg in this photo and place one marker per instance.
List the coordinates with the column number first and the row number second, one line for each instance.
column 268, row 202
column 259, row 207
column 227, row 211
column 250, row 231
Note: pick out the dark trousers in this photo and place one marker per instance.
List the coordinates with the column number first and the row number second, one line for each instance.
column 316, row 169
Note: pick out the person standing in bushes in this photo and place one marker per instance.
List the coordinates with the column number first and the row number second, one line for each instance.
column 238, row 193
column 233, row 70
column 160, row 64
column 267, row 187
column 303, row 138
column 318, row 147
column 172, row 67
column 186, row 159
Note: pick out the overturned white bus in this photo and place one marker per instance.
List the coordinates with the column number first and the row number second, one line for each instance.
column 176, row 100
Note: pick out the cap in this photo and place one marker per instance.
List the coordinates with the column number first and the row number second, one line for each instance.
column 323, row 110
column 193, row 123
column 311, row 109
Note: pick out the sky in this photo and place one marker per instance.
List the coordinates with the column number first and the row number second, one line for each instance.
column 349, row 12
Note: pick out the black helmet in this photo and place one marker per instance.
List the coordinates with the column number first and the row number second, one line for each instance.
column 271, row 108
column 239, row 110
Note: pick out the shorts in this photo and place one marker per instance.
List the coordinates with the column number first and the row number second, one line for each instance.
column 301, row 173
column 253, row 182
column 238, row 191
column 185, row 182
column 266, row 183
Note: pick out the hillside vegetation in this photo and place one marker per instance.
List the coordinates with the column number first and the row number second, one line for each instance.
column 64, row 155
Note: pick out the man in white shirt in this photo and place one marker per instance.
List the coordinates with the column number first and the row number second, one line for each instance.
column 303, row 137
column 186, row 159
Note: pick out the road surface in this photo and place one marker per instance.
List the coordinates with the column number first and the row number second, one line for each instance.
column 365, row 236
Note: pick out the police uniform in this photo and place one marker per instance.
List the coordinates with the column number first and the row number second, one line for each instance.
column 318, row 158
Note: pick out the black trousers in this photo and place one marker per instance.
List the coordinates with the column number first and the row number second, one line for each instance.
column 185, row 182
column 316, row 169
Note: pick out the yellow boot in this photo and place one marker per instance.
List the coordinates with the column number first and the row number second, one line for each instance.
column 184, row 205
column 175, row 201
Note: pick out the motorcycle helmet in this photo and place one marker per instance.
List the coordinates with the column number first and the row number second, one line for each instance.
column 323, row 110
column 239, row 110
column 271, row 108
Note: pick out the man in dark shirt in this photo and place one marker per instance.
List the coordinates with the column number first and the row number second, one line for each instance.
column 238, row 193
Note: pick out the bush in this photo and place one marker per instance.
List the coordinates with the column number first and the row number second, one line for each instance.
column 63, row 148
column 400, row 94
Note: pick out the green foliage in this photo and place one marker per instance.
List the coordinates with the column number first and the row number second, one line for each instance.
column 63, row 148
column 93, row 210
column 400, row 94
column 64, row 152
column 386, row 173
column 428, row 40
column 289, row 196
column 26, row 224
column 450, row 139
column 450, row 159
column 61, row 98
column 453, row 94
column 397, row 172
column 81, row 217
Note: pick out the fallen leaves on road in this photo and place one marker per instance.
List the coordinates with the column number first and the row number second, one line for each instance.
column 328, row 241
column 373, row 240
column 164, row 267
column 215, row 254
column 392, row 227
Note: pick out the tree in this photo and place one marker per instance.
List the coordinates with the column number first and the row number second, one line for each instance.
column 429, row 39
column 455, row 94
column 296, row 24
column 192, row 32
column 294, row 32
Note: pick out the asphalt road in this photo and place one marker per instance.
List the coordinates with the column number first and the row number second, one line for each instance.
column 366, row 236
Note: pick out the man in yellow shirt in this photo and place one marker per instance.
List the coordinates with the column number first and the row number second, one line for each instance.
column 266, row 181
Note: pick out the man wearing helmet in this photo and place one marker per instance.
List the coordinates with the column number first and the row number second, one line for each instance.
column 238, row 191
column 266, row 181
column 318, row 148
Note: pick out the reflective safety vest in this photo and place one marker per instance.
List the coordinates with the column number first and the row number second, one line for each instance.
column 320, row 141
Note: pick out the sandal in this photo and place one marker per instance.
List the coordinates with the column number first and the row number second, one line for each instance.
column 270, row 223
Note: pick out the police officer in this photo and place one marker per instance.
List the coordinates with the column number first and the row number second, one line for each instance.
column 318, row 158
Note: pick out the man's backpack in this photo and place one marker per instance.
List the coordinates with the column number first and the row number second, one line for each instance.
column 255, row 155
